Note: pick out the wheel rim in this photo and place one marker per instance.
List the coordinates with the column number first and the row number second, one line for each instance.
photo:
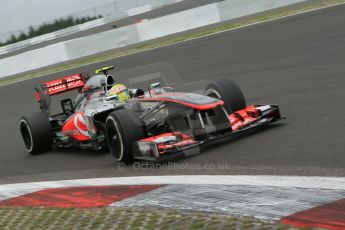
column 26, row 135
column 115, row 140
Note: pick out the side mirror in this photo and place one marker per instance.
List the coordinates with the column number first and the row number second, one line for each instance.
column 155, row 85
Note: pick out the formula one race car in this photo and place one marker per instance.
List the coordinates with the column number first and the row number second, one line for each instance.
column 135, row 124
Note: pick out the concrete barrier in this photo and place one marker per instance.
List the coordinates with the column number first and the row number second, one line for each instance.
column 33, row 60
column 238, row 8
column 101, row 42
column 139, row 10
column 178, row 22
column 128, row 35
column 3, row 50
column 16, row 46
column 42, row 38
column 91, row 24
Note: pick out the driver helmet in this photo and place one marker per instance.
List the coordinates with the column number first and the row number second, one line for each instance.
column 121, row 91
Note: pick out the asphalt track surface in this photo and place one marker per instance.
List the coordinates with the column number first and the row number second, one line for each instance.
column 296, row 62
column 159, row 12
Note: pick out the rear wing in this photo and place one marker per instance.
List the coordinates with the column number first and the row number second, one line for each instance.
column 50, row 88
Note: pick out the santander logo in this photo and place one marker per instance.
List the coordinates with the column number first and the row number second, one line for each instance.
column 71, row 82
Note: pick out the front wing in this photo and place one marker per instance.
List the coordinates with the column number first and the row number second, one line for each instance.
column 170, row 145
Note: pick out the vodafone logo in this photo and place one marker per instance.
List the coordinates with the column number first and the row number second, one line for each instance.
column 72, row 81
column 80, row 124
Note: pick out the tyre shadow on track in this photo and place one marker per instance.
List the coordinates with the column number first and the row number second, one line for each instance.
column 81, row 152
column 239, row 136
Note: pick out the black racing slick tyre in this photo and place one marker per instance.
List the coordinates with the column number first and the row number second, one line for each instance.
column 36, row 132
column 229, row 92
column 123, row 128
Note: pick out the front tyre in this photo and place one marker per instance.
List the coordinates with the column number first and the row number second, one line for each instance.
column 36, row 132
column 229, row 92
column 123, row 128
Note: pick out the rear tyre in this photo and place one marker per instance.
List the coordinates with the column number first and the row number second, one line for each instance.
column 123, row 128
column 36, row 132
column 229, row 92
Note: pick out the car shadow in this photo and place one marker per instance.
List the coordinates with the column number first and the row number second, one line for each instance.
column 178, row 157
column 81, row 152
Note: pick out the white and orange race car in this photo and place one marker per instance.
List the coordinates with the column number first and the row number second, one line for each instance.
column 134, row 124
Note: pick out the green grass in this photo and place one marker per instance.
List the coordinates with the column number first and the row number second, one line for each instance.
column 122, row 218
column 168, row 41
